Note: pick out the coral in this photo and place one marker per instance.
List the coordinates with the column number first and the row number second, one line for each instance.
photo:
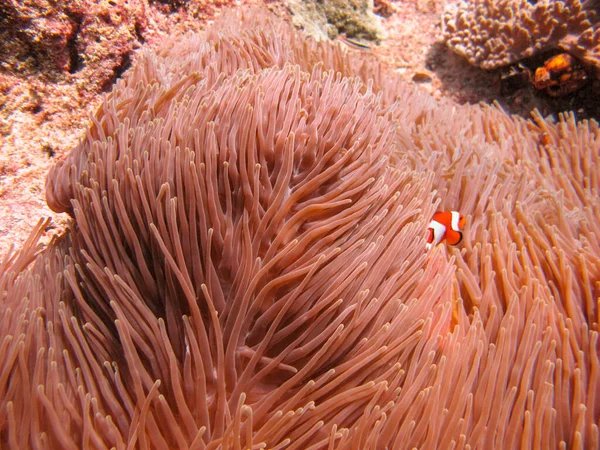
column 109, row 32
column 35, row 31
column 206, row 9
column 328, row 19
column 491, row 34
column 77, row 35
column 247, row 264
column 384, row 8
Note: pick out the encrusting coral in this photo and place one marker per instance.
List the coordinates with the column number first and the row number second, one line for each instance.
column 247, row 264
column 56, row 38
column 491, row 34
column 330, row 18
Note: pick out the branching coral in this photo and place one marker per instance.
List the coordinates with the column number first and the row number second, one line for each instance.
column 247, row 265
column 491, row 34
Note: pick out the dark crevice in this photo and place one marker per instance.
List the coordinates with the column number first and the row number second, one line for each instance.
column 125, row 64
column 75, row 61
column 138, row 32
column 173, row 5
column 119, row 70
column 48, row 150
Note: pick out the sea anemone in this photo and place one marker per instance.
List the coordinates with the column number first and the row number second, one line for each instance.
column 247, row 266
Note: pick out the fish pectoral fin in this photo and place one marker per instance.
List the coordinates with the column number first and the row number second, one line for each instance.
column 460, row 237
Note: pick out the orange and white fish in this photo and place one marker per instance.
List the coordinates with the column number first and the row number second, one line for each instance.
column 446, row 225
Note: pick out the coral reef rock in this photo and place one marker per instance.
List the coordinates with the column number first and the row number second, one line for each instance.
column 329, row 18
column 491, row 34
column 96, row 37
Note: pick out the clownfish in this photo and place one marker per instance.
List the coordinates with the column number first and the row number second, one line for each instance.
column 446, row 225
